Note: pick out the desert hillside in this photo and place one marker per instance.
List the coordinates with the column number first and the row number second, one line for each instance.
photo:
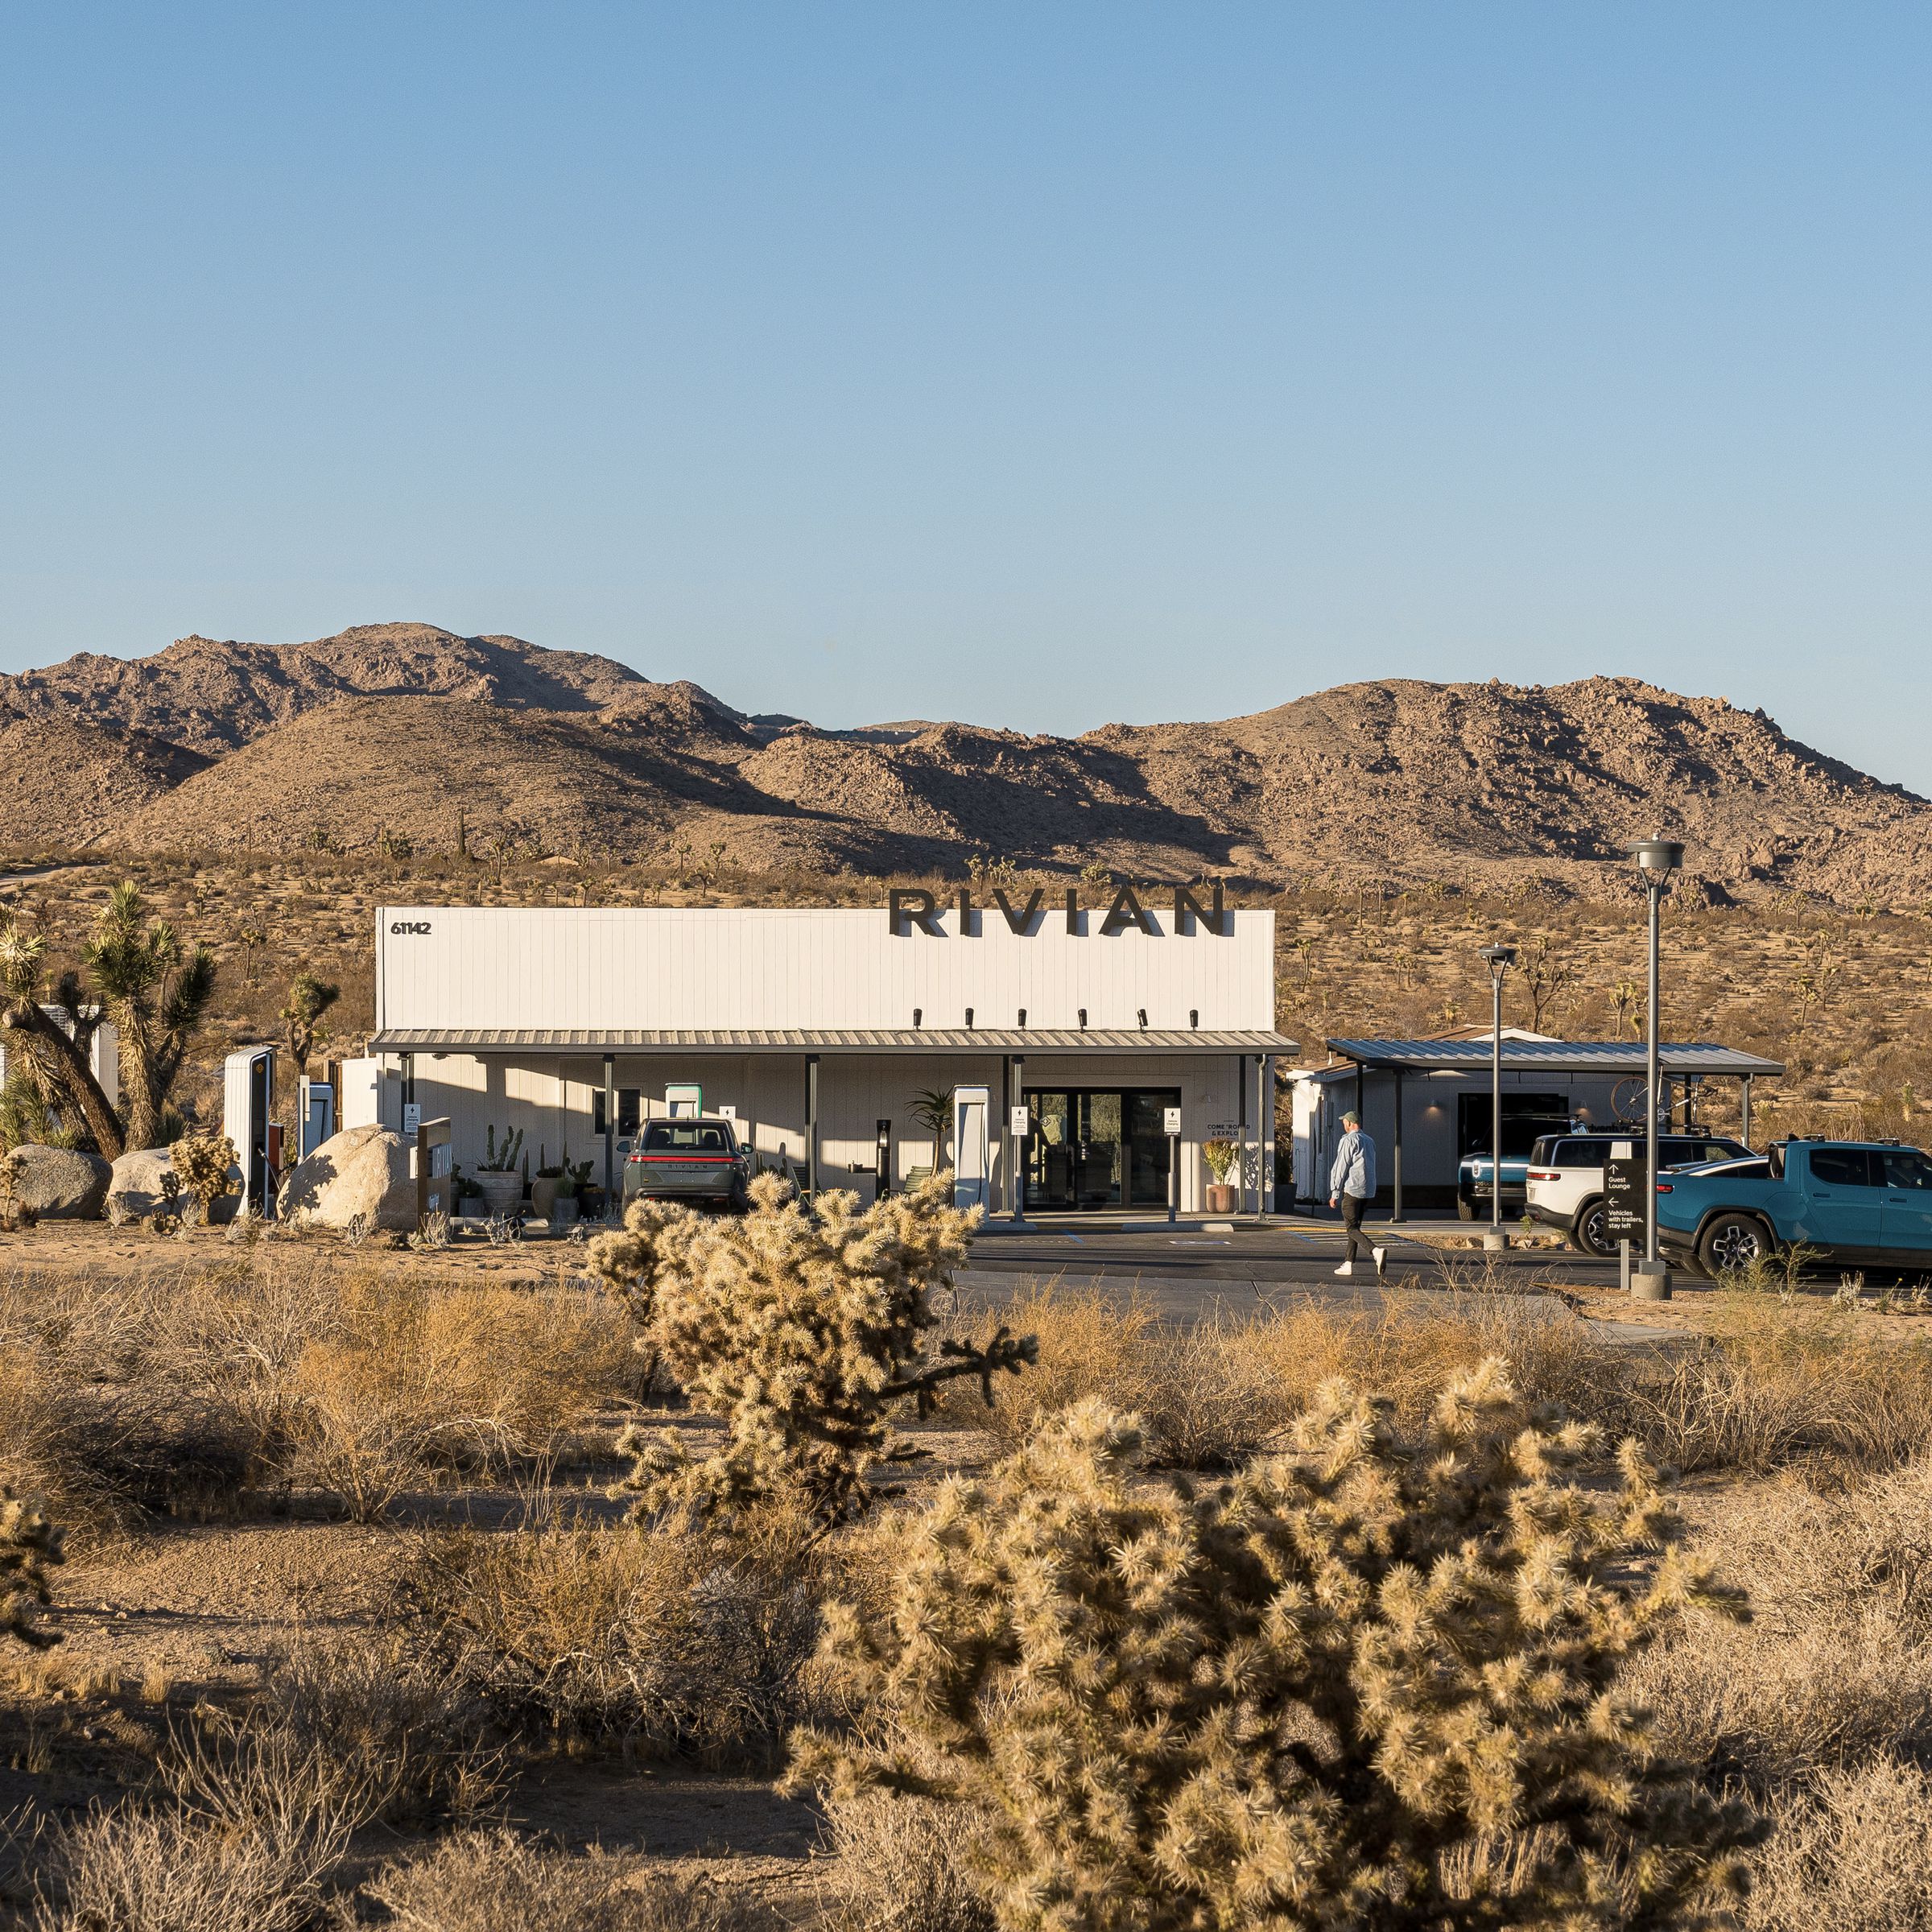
column 405, row 733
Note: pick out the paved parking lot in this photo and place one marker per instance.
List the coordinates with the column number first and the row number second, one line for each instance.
column 1188, row 1272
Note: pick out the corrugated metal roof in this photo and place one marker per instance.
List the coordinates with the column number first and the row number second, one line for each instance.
column 871, row 1039
column 1552, row 1056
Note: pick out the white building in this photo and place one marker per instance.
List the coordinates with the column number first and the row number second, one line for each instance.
column 821, row 1030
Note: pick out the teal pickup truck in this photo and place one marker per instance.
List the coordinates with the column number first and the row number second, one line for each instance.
column 1868, row 1203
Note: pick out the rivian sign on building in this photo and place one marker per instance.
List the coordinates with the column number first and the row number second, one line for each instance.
column 825, row 1032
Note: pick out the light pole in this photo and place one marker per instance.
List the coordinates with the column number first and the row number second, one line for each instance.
column 1656, row 860
column 1498, row 960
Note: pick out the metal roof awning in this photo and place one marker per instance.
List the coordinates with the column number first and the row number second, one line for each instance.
column 868, row 1039
column 1701, row 1058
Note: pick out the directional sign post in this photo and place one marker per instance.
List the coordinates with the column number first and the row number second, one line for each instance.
column 1171, row 1120
column 1626, row 1190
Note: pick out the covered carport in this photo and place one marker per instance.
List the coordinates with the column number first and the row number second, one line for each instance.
column 1376, row 1077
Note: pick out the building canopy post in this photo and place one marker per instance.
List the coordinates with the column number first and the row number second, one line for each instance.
column 1397, row 1169
column 811, row 1124
column 610, row 1136
column 1744, row 1104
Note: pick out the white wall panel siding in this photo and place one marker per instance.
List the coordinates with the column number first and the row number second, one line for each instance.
column 460, row 967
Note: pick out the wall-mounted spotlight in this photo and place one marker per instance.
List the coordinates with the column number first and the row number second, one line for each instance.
column 1023, row 1017
column 1083, row 1019
column 918, row 1014
column 969, row 1019
column 1194, row 1018
column 1143, row 1014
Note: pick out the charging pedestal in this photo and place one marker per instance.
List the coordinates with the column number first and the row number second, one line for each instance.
column 248, row 1093
column 971, row 1166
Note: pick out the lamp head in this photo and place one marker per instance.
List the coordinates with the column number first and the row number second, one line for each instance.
column 1657, row 859
column 1498, row 959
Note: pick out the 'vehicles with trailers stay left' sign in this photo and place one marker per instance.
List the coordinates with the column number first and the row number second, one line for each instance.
column 1626, row 1180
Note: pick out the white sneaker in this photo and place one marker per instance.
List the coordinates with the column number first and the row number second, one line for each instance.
column 1381, row 1256
column 1345, row 1268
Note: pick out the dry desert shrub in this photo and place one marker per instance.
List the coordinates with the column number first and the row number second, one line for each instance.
column 1781, row 1380
column 382, row 1710
column 1209, row 1395
column 251, row 1834
column 1835, row 1668
column 904, row 1864
column 654, row 1642
column 497, row 1882
column 1854, row 1852
column 408, row 1378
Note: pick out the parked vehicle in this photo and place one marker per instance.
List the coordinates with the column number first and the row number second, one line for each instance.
column 1867, row 1203
column 696, row 1160
column 1565, row 1186
column 1473, row 1185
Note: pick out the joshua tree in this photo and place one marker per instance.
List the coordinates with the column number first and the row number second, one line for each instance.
column 308, row 999
column 58, row 1064
column 157, row 992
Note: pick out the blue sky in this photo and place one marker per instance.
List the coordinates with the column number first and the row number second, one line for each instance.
column 1040, row 365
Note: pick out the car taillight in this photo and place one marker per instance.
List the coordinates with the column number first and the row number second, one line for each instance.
column 1544, row 1174
column 1665, row 1188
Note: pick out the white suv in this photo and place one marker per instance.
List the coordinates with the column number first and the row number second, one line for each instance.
column 1566, row 1184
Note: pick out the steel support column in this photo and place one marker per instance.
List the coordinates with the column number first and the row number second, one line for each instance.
column 1396, row 1170
column 610, row 1135
column 811, row 1124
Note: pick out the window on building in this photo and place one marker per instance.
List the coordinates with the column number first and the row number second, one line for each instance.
column 630, row 1109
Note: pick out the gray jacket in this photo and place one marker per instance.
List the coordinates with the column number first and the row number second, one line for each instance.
column 1354, row 1170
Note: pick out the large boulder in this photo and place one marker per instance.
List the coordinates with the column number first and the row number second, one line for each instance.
column 137, row 1184
column 59, row 1184
column 363, row 1172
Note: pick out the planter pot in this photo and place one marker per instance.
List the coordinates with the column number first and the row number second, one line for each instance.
column 590, row 1203
column 502, row 1193
column 543, row 1195
column 562, row 1211
column 1220, row 1198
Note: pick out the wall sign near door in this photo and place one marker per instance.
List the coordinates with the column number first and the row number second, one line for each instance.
column 1171, row 1119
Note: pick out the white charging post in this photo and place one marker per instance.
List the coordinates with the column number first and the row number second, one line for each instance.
column 1171, row 1120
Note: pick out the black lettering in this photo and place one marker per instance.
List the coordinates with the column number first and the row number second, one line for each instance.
column 1185, row 902
column 965, row 913
column 911, row 904
column 1017, row 922
column 1126, row 911
column 1073, row 912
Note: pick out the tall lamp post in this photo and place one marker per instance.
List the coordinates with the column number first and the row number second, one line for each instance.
column 1656, row 860
column 1498, row 960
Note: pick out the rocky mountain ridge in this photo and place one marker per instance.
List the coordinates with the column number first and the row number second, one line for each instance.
column 410, row 731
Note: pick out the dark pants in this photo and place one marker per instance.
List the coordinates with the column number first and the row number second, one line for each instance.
column 1352, row 1205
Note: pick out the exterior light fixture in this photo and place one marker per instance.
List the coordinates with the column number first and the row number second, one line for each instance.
column 1498, row 960
column 1193, row 1018
column 1083, row 1019
column 969, row 1019
column 917, row 1015
column 1143, row 1014
column 1023, row 1019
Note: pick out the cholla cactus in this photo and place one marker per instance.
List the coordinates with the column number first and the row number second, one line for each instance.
column 1361, row 1683
column 804, row 1331
column 29, row 1547
column 201, row 1163
column 13, row 1216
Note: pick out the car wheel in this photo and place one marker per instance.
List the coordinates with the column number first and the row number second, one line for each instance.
column 1465, row 1208
column 1589, row 1232
column 1734, row 1240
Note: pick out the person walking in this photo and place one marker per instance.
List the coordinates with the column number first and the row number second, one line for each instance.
column 1352, row 1187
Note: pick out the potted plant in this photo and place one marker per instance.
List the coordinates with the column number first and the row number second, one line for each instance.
column 1221, row 1157
column 496, row 1175
column 574, row 1199
column 548, row 1185
column 463, row 1190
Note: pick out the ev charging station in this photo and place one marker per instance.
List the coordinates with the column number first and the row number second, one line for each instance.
column 972, row 1161
column 248, row 1092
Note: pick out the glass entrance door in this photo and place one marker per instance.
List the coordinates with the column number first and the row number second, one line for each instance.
column 1095, row 1148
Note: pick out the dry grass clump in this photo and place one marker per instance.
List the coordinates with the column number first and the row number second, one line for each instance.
column 497, row 1882
column 1854, row 1854
column 1835, row 1668
column 382, row 1710
column 253, row 1833
column 406, row 1378
column 1784, row 1380
column 903, row 1865
column 1209, row 1395
column 653, row 1641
